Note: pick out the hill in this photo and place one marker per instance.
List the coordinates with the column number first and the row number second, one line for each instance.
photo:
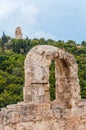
column 12, row 55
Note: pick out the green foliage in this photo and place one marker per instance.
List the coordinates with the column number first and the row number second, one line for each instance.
column 83, row 43
column 11, row 78
column 52, row 81
column 12, row 66
column 4, row 41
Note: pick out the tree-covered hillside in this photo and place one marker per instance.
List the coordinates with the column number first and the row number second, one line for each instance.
column 12, row 55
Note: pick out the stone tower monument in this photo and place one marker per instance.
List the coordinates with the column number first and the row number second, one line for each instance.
column 18, row 33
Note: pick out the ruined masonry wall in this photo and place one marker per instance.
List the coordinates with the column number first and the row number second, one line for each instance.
column 37, row 112
column 44, row 116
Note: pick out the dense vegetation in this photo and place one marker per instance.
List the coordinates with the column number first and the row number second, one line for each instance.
column 12, row 55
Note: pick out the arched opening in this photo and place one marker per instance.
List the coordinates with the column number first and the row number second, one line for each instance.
column 63, row 80
column 52, row 81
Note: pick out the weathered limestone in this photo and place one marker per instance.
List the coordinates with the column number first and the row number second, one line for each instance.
column 43, row 116
column 18, row 33
column 37, row 64
column 37, row 112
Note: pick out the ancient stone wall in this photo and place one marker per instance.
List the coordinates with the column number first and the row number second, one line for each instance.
column 43, row 116
column 37, row 112
column 37, row 64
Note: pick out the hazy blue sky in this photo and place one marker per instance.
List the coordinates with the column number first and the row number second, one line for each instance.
column 55, row 19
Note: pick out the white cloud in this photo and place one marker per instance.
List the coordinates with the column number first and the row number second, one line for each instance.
column 6, row 10
column 15, row 14
column 29, row 13
column 64, row 18
column 41, row 34
column 18, row 12
column 31, row 9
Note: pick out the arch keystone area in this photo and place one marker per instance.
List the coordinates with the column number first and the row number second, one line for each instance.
column 37, row 64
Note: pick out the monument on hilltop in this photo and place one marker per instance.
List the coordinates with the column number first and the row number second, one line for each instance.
column 18, row 33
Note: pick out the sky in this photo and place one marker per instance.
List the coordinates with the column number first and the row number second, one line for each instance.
column 49, row 19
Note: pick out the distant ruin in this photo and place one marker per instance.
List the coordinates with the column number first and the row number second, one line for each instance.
column 18, row 33
column 37, row 112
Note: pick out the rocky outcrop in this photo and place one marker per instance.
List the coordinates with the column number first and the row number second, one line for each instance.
column 37, row 112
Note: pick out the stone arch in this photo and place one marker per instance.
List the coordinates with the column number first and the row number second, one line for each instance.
column 37, row 64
